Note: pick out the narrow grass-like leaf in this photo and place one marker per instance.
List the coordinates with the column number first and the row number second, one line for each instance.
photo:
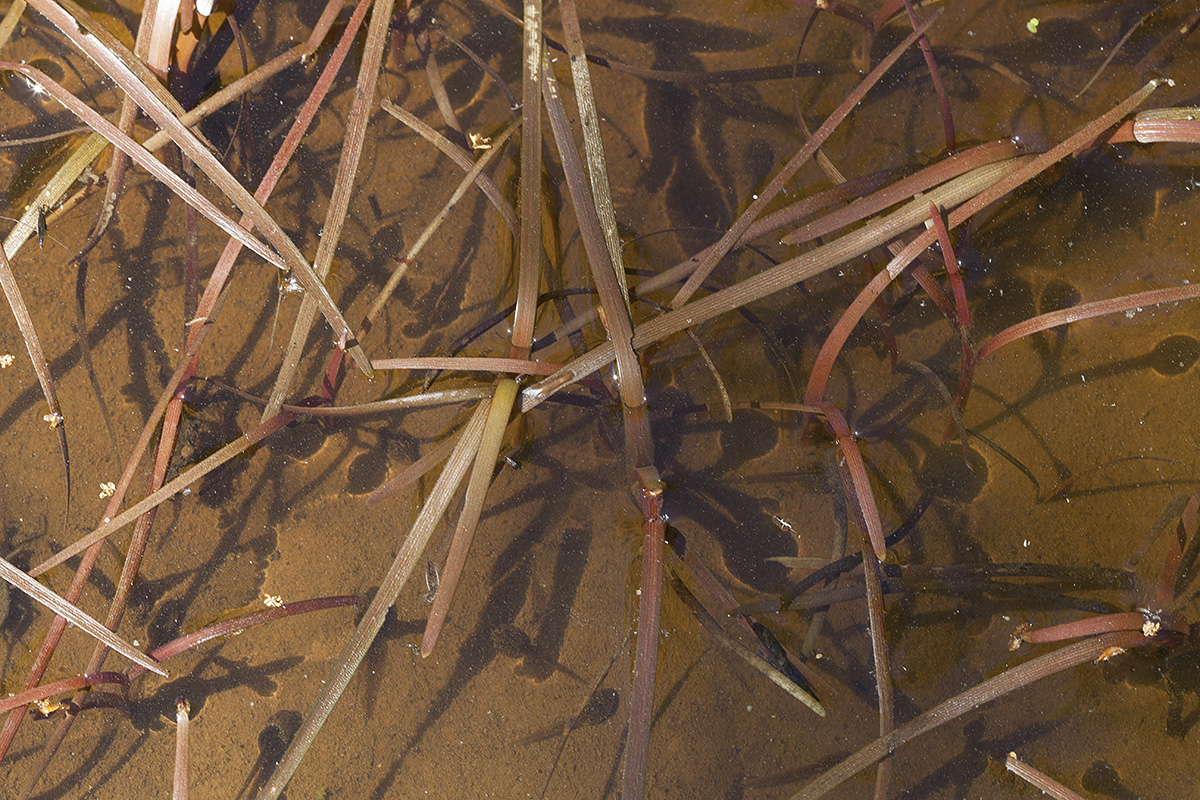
column 645, row 660
column 179, row 786
column 162, row 32
column 441, row 99
column 468, row 180
column 935, row 77
column 460, row 157
column 900, row 191
column 1099, row 308
column 53, row 191
column 72, row 614
column 229, row 627
column 778, row 278
column 1160, row 129
column 1039, row 779
column 1061, row 488
column 33, row 345
column 119, row 72
column 1010, row 680
column 593, row 144
column 145, row 160
column 702, row 267
column 468, row 520
column 881, row 661
column 372, row 620
column 9, row 23
column 212, row 300
column 482, row 63
column 1106, row 623
column 129, row 570
column 607, row 274
column 961, row 321
column 530, row 239
column 339, row 202
column 1027, row 170
column 517, row 366
column 413, row 472
column 861, row 496
column 187, row 478
column 444, row 397
column 722, row 638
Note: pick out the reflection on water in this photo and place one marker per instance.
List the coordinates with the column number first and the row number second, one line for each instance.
column 1078, row 437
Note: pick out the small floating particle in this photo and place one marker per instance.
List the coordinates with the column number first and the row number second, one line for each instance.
column 107, row 489
column 1032, row 25
column 7, row 360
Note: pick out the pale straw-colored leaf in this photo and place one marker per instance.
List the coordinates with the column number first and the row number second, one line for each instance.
column 78, row 618
column 372, row 620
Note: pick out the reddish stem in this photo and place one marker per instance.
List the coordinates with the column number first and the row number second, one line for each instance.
column 649, row 619
column 231, row 626
column 936, row 76
column 58, row 687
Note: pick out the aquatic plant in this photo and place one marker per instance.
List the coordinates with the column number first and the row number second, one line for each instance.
column 606, row 405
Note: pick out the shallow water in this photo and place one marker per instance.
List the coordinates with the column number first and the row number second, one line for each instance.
column 1099, row 410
